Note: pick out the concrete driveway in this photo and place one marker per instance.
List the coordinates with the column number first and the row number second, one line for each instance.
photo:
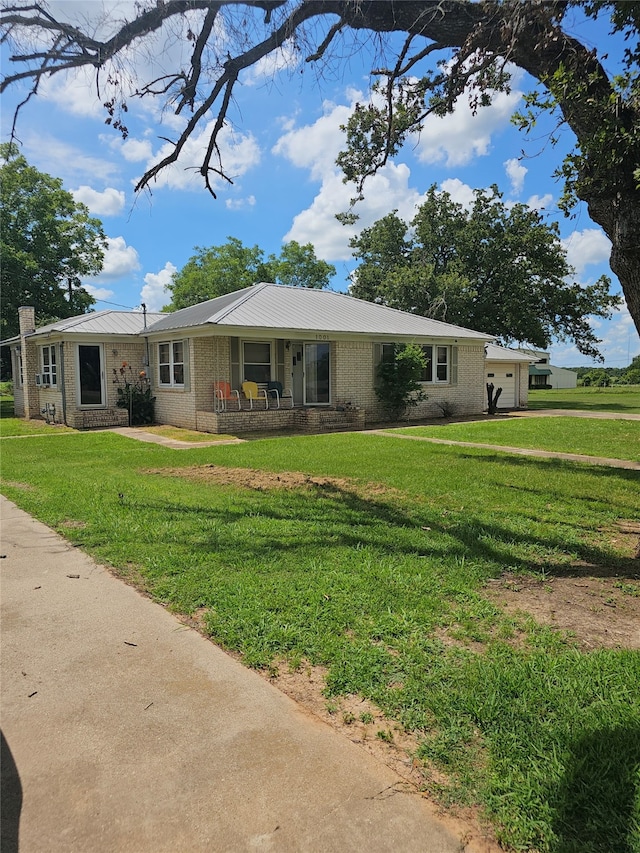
column 127, row 731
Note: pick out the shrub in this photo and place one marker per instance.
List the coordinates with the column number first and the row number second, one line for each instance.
column 134, row 394
column 399, row 374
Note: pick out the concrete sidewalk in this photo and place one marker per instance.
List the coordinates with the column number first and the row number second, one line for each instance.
column 128, row 732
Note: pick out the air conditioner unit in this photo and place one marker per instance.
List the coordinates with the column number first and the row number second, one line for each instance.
column 38, row 379
column 42, row 380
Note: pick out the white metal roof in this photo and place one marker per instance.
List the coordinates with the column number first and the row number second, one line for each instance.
column 101, row 322
column 275, row 306
column 495, row 353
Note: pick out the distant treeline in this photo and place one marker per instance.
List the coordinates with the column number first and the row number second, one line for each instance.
column 602, row 377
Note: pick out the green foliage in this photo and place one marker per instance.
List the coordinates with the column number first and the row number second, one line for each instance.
column 48, row 243
column 232, row 266
column 134, row 394
column 598, row 378
column 398, row 386
column 374, row 578
column 495, row 268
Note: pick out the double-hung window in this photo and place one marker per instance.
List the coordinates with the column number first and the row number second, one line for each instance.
column 256, row 357
column 171, row 363
column 48, row 365
column 437, row 369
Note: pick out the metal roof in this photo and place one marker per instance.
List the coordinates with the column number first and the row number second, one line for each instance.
column 101, row 323
column 495, row 353
column 276, row 306
column 539, row 371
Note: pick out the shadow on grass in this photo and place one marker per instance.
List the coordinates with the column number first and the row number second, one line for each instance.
column 7, row 408
column 597, row 804
column 263, row 526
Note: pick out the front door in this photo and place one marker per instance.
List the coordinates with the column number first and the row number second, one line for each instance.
column 316, row 374
column 91, row 375
column 310, row 373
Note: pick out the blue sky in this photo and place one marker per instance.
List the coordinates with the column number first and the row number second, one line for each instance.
column 280, row 145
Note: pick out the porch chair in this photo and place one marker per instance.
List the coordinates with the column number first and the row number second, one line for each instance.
column 252, row 392
column 222, row 394
column 275, row 390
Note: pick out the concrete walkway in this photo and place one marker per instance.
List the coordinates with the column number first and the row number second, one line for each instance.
column 608, row 462
column 127, row 732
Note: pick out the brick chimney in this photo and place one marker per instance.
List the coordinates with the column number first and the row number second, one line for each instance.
column 27, row 319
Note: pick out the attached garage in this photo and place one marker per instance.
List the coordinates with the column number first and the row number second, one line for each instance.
column 508, row 369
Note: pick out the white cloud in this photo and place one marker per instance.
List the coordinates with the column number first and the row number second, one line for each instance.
column 240, row 203
column 119, row 260
column 239, row 153
column 583, row 248
column 286, row 57
column 460, row 193
column 135, row 150
column 620, row 343
column 66, row 161
column 388, row 190
column 110, row 202
column 459, row 137
column 539, row 202
column 74, row 92
column 155, row 293
column 516, row 173
column 316, row 146
column 98, row 293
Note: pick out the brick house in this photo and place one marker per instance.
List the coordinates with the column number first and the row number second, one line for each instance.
column 313, row 355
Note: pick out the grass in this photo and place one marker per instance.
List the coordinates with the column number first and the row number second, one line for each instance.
column 371, row 574
column 618, row 398
column 616, row 439
column 186, row 434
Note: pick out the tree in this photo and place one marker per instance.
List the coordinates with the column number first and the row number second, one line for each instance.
column 493, row 268
column 222, row 269
column 476, row 43
column 48, row 243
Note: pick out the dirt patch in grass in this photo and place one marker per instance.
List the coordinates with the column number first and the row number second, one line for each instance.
column 365, row 725
column 599, row 606
column 252, row 478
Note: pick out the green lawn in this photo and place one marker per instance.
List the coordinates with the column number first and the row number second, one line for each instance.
column 616, row 439
column 378, row 573
column 618, row 398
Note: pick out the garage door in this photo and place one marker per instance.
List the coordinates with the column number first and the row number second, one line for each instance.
column 504, row 377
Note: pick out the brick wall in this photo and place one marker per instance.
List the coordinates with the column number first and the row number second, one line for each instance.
column 354, row 382
column 276, row 420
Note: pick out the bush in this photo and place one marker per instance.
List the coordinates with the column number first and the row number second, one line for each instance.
column 134, row 394
column 399, row 375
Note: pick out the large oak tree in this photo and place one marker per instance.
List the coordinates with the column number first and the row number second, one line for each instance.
column 48, row 242
column 477, row 42
column 491, row 267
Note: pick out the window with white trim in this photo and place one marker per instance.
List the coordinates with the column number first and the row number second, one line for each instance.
column 171, row 364
column 48, row 365
column 437, row 369
column 256, row 358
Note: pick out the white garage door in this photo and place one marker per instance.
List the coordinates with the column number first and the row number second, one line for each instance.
column 504, row 376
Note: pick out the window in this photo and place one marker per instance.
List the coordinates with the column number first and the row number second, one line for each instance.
column 48, row 366
column 171, row 363
column 437, row 369
column 18, row 369
column 256, row 357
